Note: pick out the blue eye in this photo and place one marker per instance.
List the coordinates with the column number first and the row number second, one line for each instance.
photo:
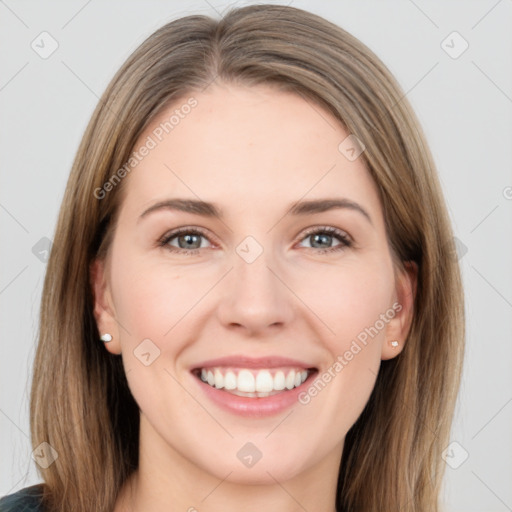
column 189, row 237
column 189, row 240
column 323, row 234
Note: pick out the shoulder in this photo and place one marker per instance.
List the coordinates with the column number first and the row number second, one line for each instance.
column 25, row 500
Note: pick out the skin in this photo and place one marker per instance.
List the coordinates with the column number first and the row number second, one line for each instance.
column 253, row 151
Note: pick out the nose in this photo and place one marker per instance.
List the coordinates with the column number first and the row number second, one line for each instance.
column 255, row 296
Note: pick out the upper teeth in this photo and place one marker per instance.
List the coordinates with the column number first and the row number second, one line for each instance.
column 254, row 380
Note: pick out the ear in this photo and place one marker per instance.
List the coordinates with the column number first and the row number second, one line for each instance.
column 104, row 311
column 398, row 327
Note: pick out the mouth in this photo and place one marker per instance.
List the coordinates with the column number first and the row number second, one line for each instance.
column 253, row 387
column 254, row 382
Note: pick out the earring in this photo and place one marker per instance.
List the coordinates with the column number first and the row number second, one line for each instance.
column 106, row 337
column 394, row 343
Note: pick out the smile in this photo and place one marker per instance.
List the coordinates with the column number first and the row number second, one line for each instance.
column 254, row 387
column 253, row 383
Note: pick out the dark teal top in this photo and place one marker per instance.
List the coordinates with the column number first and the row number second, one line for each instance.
column 25, row 500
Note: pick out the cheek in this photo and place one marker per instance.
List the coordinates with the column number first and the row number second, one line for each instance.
column 150, row 294
column 350, row 299
column 351, row 305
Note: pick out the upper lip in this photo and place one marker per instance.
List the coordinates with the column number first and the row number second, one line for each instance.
column 253, row 362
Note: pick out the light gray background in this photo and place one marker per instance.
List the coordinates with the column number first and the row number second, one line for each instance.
column 464, row 105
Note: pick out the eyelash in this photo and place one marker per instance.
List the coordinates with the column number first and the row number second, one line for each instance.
column 340, row 235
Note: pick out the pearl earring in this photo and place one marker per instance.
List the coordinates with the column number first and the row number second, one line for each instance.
column 394, row 343
column 106, row 337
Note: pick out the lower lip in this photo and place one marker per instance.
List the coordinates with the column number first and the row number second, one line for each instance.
column 253, row 407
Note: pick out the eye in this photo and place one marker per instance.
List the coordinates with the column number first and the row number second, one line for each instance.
column 188, row 240
column 324, row 235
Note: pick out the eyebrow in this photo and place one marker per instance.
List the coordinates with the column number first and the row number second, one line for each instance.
column 207, row 209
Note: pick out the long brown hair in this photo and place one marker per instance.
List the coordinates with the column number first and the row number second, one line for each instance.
column 80, row 401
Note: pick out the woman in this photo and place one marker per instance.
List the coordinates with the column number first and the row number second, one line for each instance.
column 198, row 349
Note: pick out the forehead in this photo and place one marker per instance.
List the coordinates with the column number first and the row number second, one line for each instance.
column 239, row 144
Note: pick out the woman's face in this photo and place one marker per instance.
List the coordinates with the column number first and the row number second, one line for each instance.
column 283, row 294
